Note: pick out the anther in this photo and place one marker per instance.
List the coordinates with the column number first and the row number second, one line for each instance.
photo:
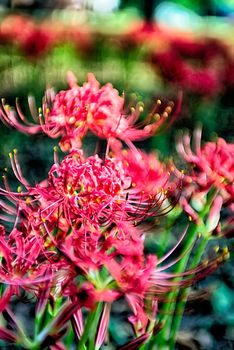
column 168, row 109
column 156, row 116
column 141, row 109
column 226, row 254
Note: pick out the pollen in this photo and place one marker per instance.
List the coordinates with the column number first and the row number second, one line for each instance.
column 72, row 120
column 89, row 117
column 19, row 189
column 168, row 109
column 140, row 104
column 98, row 200
column 226, row 253
column 156, row 117
column 141, row 109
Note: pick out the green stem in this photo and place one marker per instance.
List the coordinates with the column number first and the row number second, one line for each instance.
column 169, row 307
column 89, row 328
column 93, row 330
column 184, row 295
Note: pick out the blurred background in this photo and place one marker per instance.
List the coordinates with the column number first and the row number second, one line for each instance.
column 148, row 50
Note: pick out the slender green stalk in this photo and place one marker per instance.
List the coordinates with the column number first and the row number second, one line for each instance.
column 169, row 307
column 69, row 337
column 93, row 330
column 88, row 327
column 180, row 306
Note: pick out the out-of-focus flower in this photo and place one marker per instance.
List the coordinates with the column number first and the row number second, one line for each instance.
column 205, row 80
column 199, row 66
column 33, row 40
column 212, row 164
column 208, row 184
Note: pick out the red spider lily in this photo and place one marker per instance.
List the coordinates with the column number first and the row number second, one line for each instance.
column 205, row 80
column 33, row 40
column 146, row 171
column 205, row 50
column 20, row 266
column 91, row 190
column 212, row 164
column 71, row 113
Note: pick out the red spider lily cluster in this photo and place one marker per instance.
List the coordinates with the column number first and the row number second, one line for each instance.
column 77, row 238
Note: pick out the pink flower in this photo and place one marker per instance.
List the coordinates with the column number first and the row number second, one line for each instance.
column 69, row 114
column 212, row 164
column 145, row 170
column 33, row 40
column 205, row 80
column 20, row 267
column 93, row 190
